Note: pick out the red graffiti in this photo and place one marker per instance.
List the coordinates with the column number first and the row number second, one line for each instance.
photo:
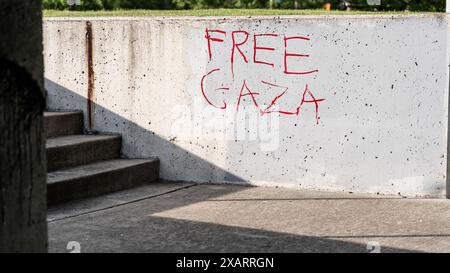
column 236, row 46
column 286, row 55
column 256, row 47
column 250, row 93
column 202, row 86
column 313, row 100
column 267, row 111
column 239, row 42
column 209, row 38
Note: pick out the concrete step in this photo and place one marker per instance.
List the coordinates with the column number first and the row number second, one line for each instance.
column 63, row 123
column 75, row 150
column 100, row 178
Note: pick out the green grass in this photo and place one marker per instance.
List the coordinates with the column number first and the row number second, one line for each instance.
column 205, row 12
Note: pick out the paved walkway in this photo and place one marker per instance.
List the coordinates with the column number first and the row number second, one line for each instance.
column 184, row 217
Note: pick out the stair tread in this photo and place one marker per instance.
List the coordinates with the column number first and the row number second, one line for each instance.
column 61, row 113
column 95, row 168
column 76, row 139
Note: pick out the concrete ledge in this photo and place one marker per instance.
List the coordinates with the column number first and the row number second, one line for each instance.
column 248, row 18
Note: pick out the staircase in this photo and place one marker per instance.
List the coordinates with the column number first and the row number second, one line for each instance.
column 85, row 165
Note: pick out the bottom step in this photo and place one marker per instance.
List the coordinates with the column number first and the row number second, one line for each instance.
column 100, row 178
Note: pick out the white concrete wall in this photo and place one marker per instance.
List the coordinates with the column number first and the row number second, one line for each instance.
column 380, row 84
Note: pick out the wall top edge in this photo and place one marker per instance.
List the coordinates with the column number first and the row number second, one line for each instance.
column 221, row 18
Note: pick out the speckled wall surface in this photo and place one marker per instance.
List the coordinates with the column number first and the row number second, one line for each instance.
column 353, row 103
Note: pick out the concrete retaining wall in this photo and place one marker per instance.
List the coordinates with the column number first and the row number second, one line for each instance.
column 353, row 103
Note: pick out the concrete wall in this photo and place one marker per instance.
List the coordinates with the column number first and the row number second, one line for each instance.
column 353, row 103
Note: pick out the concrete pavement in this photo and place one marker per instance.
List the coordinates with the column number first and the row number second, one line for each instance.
column 186, row 217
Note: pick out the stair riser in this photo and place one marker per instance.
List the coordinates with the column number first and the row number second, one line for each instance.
column 60, row 125
column 83, row 153
column 102, row 183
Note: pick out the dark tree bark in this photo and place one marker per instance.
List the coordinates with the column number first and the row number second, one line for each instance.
column 23, row 209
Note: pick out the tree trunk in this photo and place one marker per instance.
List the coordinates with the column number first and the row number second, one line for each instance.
column 23, row 206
